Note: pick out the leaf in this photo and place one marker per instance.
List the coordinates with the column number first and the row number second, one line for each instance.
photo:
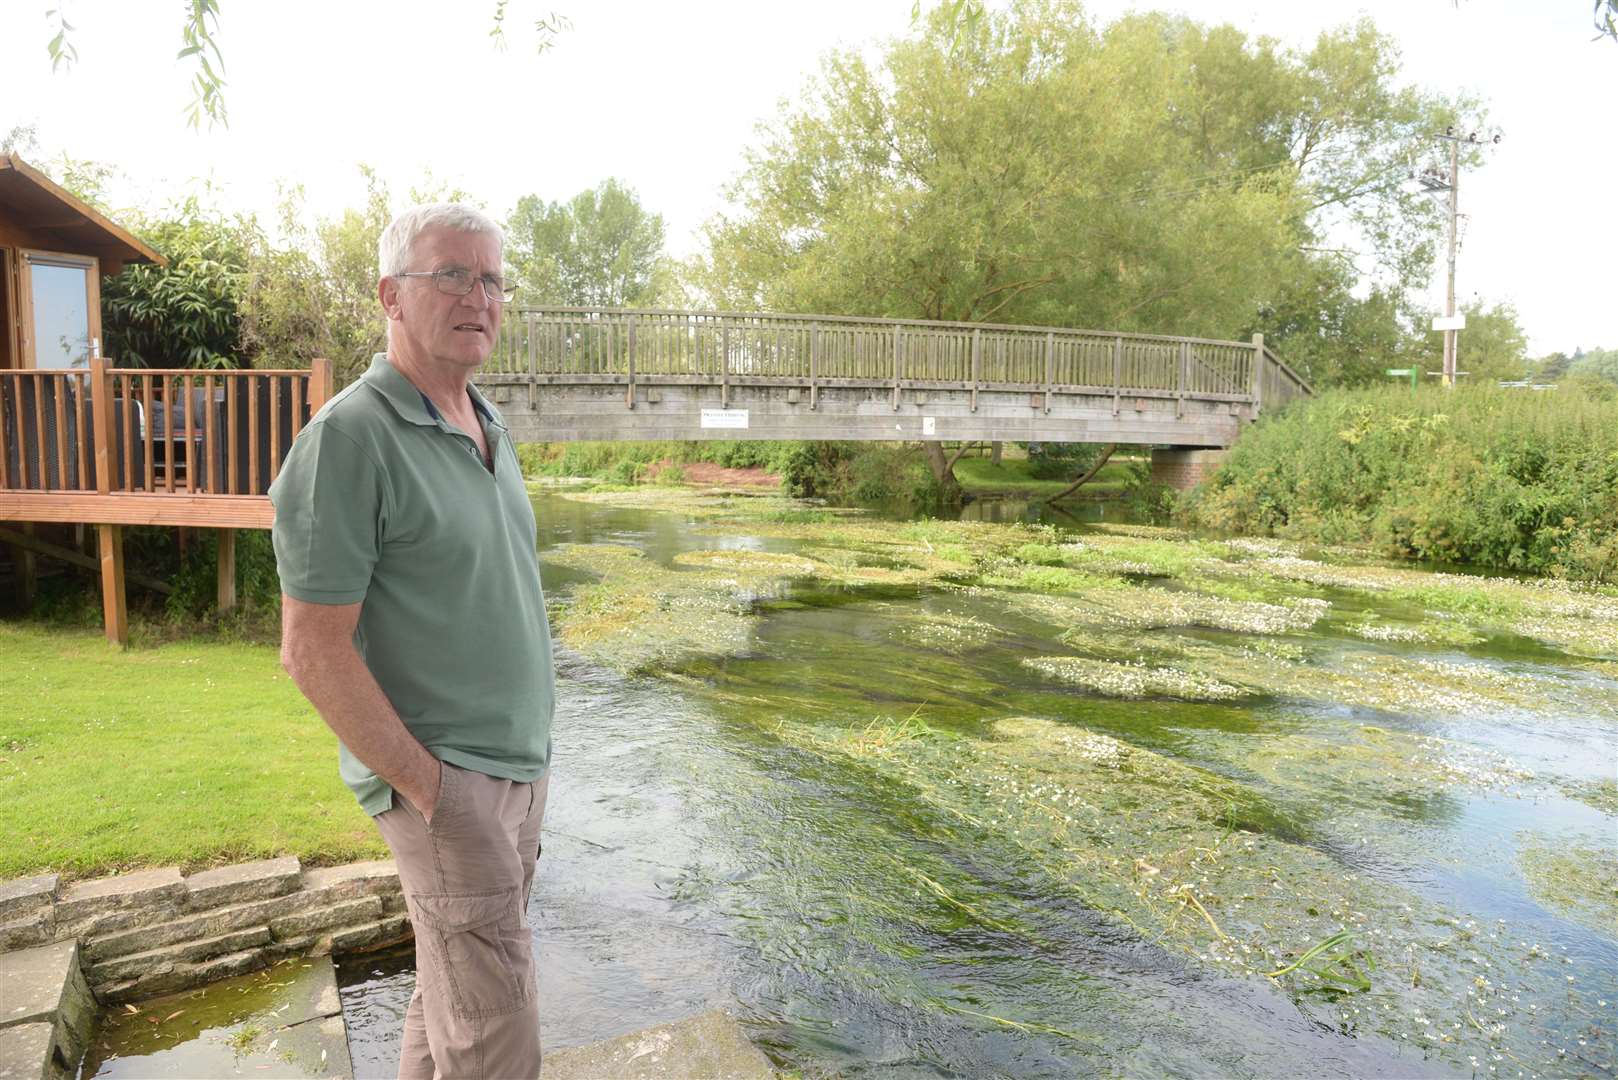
column 172, row 1015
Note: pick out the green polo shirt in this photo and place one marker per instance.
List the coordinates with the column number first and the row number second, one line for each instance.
column 383, row 502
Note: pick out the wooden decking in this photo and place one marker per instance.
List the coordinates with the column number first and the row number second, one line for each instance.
column 111, row 447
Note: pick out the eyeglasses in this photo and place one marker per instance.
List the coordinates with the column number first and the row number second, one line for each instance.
column 458, row 281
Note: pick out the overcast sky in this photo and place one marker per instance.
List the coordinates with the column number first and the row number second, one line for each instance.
column 666, row 97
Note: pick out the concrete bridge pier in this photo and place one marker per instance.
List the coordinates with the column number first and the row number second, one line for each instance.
column 1183, row 468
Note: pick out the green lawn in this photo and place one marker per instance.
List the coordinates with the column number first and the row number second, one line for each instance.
column 187, row 754
column 979, row 477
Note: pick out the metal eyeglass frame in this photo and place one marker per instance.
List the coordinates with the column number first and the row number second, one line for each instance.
column 505, row 293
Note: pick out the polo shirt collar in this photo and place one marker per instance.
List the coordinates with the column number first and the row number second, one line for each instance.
column 408, row 400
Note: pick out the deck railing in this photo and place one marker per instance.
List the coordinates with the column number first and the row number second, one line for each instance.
column 106, row 432
column 591, row 345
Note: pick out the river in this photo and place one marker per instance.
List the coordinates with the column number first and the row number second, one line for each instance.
column 1065, row 799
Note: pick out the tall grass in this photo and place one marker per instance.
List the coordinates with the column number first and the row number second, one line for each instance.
column 1501, row 478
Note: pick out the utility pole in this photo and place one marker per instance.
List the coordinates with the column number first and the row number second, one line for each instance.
column 1435, row 183
column 1451, row 363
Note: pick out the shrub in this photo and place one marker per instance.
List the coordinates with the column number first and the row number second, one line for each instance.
column 1501, row 478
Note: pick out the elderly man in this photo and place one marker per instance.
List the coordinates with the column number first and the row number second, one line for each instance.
column 413, row 619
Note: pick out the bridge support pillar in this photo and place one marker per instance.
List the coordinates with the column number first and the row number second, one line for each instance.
column 1183, row 469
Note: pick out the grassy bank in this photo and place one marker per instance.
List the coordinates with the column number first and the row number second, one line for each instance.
column 892, row 476
column 1014, row 477
column 1496, row 478
column 189, row 754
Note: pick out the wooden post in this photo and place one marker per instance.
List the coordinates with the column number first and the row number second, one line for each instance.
column 629, row 394
column 530, row 325
column 101, row 420
column 724, row 358
column 320, row 384
column 814, row 364
column 27, row 574
column 1258, row 374
column 1050, row 367
column 1179, row 380
column 227, row 570
column 977, row 364
column 113, row 609
column 1117, row 371
column 897, row 344
column 109, row 538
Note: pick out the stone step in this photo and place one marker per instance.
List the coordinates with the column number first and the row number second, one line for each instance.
column 711, row 1045
column 346, row 913
column 26, row 896
column 146, row 889
column 243, row 882
column 236, row 917
column 185, row 976
column 155, row 961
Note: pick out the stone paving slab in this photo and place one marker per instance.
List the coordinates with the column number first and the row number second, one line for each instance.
column 25, row 1053
column 710, row 1045
column 36, row 983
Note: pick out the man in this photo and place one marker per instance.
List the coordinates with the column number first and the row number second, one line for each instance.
column 413, row 620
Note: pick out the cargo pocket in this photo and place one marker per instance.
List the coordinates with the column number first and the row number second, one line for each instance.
column 479, row 947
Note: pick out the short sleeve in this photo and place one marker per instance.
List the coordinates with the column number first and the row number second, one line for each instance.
column 328, row 503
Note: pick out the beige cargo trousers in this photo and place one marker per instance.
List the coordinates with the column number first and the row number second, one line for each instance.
column 474, row 1014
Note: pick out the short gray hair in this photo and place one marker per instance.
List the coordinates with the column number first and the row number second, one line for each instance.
column 393, row 250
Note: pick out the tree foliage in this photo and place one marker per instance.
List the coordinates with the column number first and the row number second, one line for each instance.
column 1492, row 347
column 601, row 248
column 1035, row 167
column 184, row 314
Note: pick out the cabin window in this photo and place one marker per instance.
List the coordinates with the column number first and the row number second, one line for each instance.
column 62, row 325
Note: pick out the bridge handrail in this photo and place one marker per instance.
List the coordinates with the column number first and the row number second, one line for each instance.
column 1282, row 364
column 873, row 320
column 564, row 343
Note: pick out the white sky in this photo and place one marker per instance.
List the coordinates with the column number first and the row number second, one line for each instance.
column 666, row 96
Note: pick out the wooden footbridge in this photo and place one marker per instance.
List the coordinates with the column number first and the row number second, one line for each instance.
column 573, row 373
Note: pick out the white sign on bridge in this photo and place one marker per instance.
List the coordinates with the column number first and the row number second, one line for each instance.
column 724, row 418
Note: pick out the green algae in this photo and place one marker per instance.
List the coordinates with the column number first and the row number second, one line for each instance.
column 1185, row 858
column 1125, row 679
column 1223, row 861
column 1578, row 879
column 1600, row 794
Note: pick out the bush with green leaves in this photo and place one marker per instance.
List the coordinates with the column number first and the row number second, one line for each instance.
column 1502, row 478
column 185, row 314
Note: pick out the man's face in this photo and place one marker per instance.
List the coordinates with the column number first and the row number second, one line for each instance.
column 435, row 327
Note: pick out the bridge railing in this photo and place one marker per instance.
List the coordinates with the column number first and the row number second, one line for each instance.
column 590, row 345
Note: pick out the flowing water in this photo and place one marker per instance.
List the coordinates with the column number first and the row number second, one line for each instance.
column 1096, row 802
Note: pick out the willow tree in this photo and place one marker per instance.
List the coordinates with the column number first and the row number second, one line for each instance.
column 1036, row 167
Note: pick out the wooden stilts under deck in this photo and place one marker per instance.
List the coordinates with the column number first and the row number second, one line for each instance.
column 23, row 563
column 115, row 610
column 227, row 570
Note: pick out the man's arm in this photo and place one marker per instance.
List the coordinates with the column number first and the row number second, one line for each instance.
column 317, row 650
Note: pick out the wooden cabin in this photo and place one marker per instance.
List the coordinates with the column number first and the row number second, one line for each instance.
column 84, row 442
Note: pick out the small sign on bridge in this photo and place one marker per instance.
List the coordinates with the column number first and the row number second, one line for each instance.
column 724, row 418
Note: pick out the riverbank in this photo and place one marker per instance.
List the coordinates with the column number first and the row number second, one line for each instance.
column 190, row 753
